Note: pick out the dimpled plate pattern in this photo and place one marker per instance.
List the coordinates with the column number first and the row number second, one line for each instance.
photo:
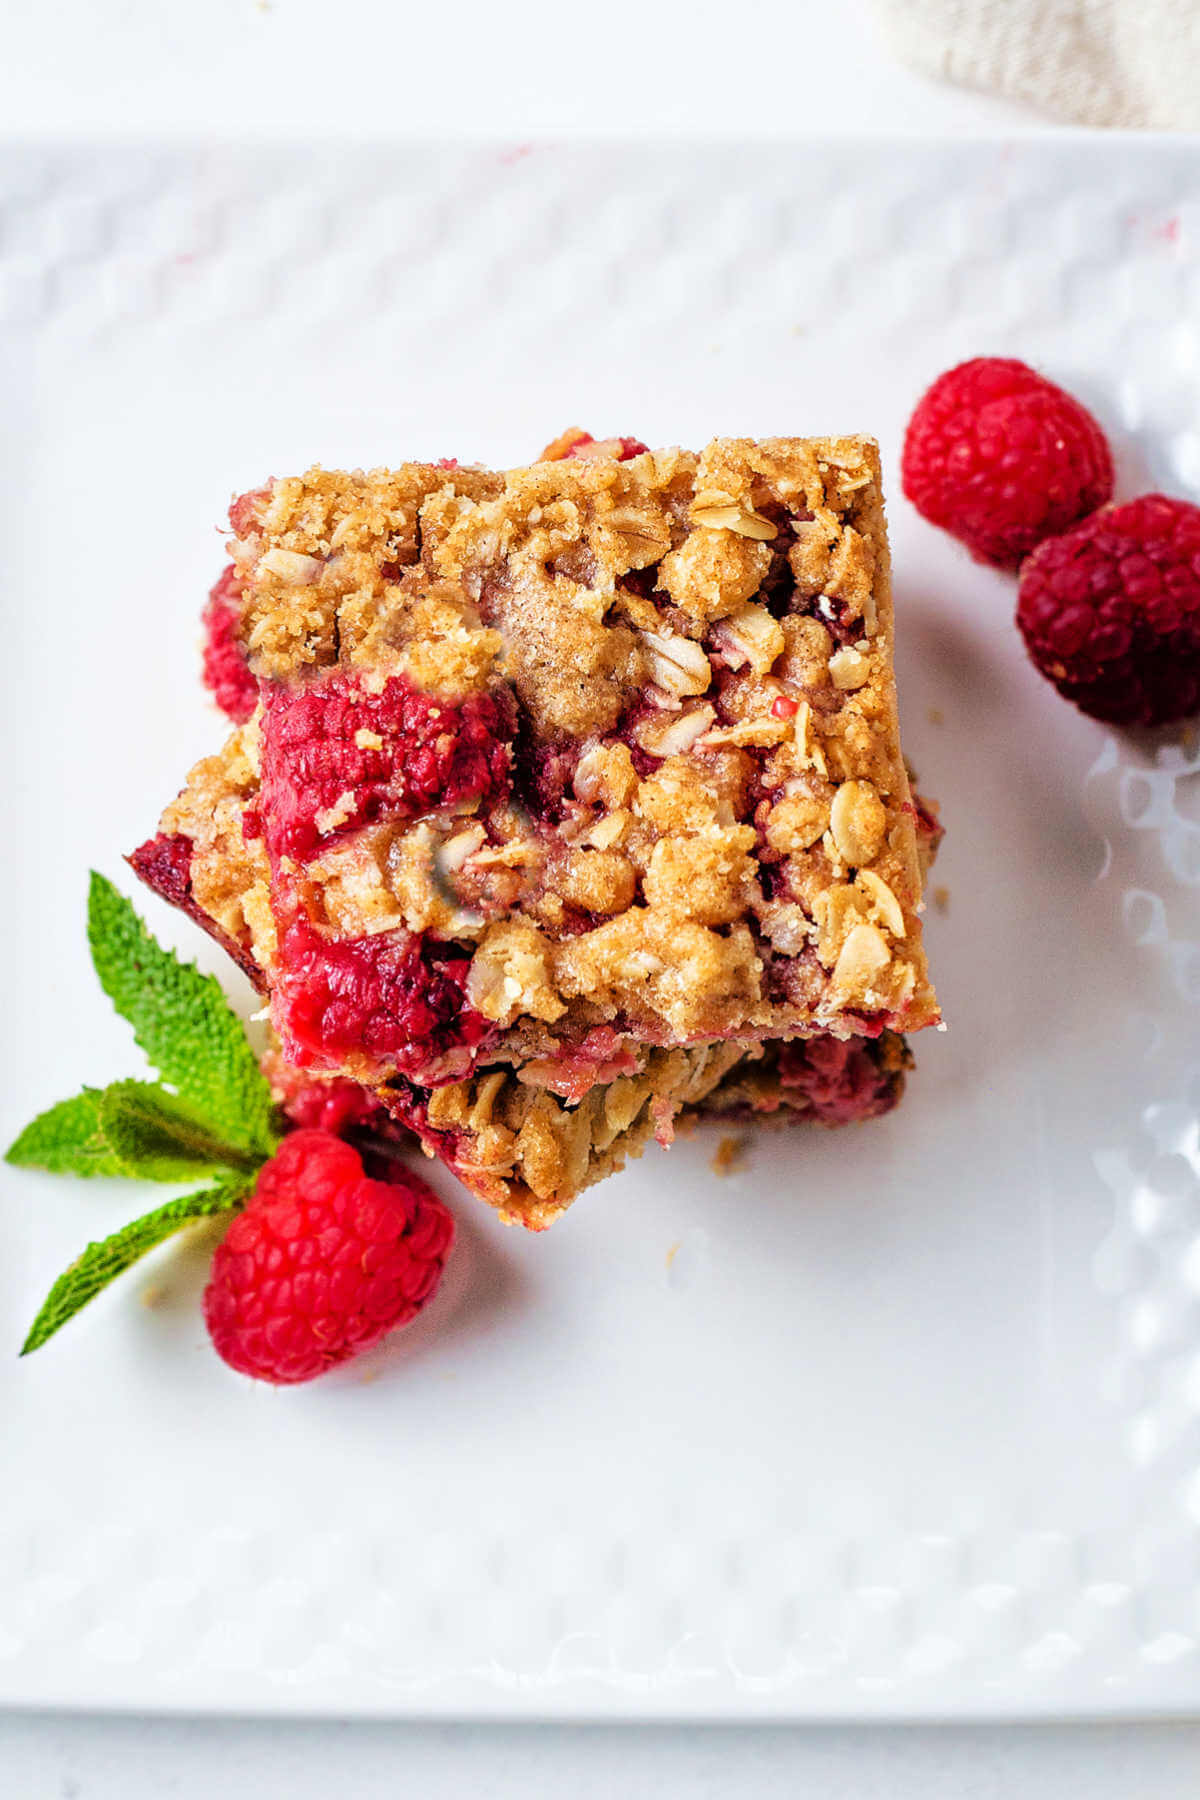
column 901, row 1422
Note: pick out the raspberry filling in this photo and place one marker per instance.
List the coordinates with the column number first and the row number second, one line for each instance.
column 839, row 1079
column 242, row 511
column 226, row 673
column 407, row 1107
column 338, row 1106
column 320, row 1103
column 336, row 756
column 396, row 998
column 602, row 1056
column 164, row 863
column 542, row 772
column 583, row 444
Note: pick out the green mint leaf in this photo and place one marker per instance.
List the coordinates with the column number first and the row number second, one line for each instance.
column 102, row 1262
column 183, row 1022
column 156, row 1136
column 67, row 1139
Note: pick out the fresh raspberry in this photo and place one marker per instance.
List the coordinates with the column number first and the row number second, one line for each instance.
column 1002, row 458
column 1110, row 612
column 322, row 1262
column 332, row 747
column 226, row 673
column 398, row 998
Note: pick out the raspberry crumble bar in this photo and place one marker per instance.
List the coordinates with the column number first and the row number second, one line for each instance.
column 573, row 798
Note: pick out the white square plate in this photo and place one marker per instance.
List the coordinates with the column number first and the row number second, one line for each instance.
column 903, row 1421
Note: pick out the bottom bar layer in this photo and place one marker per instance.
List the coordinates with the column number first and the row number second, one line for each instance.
column 528, row 1151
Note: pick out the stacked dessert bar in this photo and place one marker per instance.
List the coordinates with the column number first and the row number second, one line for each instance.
column 573, row 800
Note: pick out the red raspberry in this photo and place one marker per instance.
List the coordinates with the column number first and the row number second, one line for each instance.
column 245, row 508
column 164, row 863
column 326, row 1103
column 575, row 443
column 331, row 743
column 395, row 997
column 323, row 1262
column 623, row 448
column 226, row 673
column 1110, row 612
column 1002, row 458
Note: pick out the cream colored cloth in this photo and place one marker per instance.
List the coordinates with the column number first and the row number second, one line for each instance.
column 1101, row 62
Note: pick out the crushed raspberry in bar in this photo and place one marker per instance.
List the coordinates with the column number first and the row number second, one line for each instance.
column 325, row 1102
column 930, row 830
column 838, row 1077
column 242, row 510
column 576, row 443
column 226, row 672
column 823, row 1080
column 335, row 756
column 164, row 863
column 394, row 1001
column 623, row 448
column 601, row 1057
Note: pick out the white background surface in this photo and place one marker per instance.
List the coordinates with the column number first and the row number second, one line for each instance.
column 299, row 67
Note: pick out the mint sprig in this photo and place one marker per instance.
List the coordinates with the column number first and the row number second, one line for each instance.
column 156, row 1136
column 183, row 1022
column 210, row 1115
column 102, row 1262
column 67, row 1139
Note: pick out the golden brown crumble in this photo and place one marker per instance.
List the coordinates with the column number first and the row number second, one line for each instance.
column 229, row 870
column 529, row 1154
